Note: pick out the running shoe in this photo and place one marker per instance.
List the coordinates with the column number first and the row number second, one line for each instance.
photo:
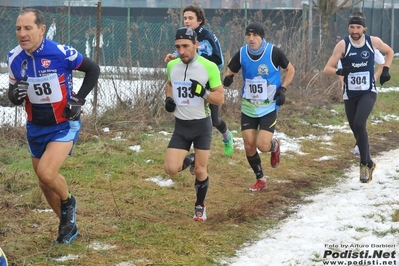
column 371, row 170
column 229, row 145
column 68, row 238
column 199, row 213
column 3, row 258
column 275, row 157
column 259, row 185
column 364, row 174
column 67, row 230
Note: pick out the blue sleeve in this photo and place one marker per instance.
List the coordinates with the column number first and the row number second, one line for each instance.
column 73, row 59
column 210, row 48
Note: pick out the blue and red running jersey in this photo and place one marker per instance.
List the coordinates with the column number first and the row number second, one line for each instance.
column 49, row 73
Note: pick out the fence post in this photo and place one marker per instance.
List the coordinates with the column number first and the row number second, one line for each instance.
column 97, row 55
column 310, row 35
column 392, row 23
column 181, row 14
column 69, row 22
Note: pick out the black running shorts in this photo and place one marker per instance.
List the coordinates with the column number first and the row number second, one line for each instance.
column 187, row 132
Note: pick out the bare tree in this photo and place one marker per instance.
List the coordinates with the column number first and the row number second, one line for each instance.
column 327, row 9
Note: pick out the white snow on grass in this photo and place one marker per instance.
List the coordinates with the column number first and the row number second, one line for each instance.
column 338, row 225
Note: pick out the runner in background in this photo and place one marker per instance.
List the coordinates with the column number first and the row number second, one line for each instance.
column 208, row 47
column 356, row 52
column 263, row 91
column 380, row 60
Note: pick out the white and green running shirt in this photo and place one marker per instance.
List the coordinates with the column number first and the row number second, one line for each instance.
column 188, row 106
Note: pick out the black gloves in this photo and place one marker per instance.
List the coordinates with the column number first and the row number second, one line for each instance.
column 73, row 108
column 228, row 80
column 385, row 76
column 170, row 104
column 280, row 93
column 20, row 89
column 343, row 71
column 198, row 90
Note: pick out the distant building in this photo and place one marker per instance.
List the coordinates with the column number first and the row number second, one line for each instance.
column 214, row 4
column 25, row 3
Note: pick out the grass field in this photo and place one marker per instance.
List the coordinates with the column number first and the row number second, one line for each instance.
column 124, row 219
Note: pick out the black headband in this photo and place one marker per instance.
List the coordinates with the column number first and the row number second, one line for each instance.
column 186, row 33
column 357, row 20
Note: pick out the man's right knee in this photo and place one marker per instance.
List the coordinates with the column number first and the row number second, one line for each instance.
column 171, row 170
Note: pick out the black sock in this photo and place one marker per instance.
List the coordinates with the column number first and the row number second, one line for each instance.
column 222, row 127
column 255, row 163
column 67, row 201
column 201, row 188
column 273, row 145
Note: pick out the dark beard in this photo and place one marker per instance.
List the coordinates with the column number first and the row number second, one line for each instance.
column 356, row 37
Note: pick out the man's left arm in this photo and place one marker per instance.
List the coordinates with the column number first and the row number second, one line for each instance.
column 216, row 96
column 387, row 50
column 279, row 96
column 216, row 93
column 280, row 60
column 92, row 73
column 72, row 110
column 384, row 48
column 289, row 75
column 215, row 83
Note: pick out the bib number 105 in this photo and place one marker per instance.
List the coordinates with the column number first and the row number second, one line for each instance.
column 255, row 88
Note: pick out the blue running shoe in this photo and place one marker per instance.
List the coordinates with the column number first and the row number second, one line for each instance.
column 3, row 259
column 67, row 230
